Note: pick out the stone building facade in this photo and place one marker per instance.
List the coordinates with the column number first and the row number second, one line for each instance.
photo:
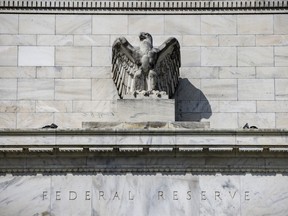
column 55, row 67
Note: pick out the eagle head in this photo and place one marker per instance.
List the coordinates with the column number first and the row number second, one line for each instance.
column 145, row 37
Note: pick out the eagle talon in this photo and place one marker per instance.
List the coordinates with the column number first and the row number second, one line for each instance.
column 135, row 93
column 147, row 93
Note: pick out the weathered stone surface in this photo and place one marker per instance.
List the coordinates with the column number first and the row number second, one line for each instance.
column 154, row 24
column 126, row 194
column 8, row 23
column 101, row 56
column 237, row 40
column 73, row 24
column 9, row 55
column 281, row 90
column 237, row 72
column 18, row 72
column 225, row 24
column 35, row 89
column 260, row 120
column 219, row 53
column 279, row 24
column 281, row 56
column 91, row 40
column 218, row 56
column 15, row 40
column 36, row 56
column 255, row 56
column 72, row 89
column 146, row 125
column 73, row 56
column 8, row 89
column 190, row 56
column 271, row 72
column 54, row 40
column 139, row 110
column 34, row 120
column 189, row 24
column 115, row 24
column 35, row 24
column 7, row 120
column 55, row 72
column 263, row 89
column 219, row 89
column 249, row 24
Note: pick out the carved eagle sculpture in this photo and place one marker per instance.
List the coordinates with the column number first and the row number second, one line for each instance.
column 146, row 70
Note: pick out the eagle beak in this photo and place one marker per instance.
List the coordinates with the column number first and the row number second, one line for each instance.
column 142, row 36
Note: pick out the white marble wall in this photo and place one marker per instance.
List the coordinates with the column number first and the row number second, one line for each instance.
column 56, row 68
column 144, row 195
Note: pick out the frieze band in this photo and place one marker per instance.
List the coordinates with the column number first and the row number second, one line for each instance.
column 144, row 7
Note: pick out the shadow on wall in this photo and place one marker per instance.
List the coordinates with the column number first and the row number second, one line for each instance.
column 190, row 103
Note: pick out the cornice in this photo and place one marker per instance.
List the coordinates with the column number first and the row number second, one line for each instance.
column 144, row 139
column 144, row 7
column 153, row 150
column 143, row 131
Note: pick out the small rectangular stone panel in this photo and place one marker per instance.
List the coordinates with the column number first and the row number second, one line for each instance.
column 133, row 110
column 36, row 56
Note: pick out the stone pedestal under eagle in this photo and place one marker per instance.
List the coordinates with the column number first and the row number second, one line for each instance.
column 146, row 70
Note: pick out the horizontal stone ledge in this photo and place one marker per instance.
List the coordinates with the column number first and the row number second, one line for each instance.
column 144, row 171
column 197, row 149
column 148, row 131
column 44, row 6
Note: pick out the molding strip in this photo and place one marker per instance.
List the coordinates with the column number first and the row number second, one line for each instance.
column 144, row 7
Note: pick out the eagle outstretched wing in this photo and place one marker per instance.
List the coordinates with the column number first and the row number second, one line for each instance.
column 125, row 61
column 167, row 66
column 164, row 61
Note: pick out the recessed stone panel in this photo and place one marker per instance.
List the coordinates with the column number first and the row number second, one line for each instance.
column 36, row 56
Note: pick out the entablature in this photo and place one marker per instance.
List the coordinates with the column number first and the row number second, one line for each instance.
column 143, row 150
